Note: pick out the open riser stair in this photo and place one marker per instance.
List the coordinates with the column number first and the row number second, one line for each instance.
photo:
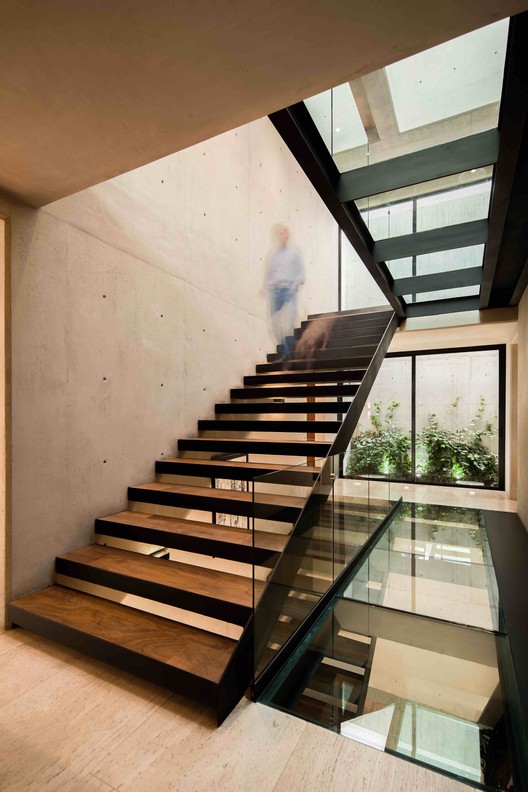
column 168, row 588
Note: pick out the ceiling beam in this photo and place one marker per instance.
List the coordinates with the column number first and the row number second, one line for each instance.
column 474, row 151
column 298, row 130
column 453, row 279
column 447, row 238
column 513, row 133
column 436, row 307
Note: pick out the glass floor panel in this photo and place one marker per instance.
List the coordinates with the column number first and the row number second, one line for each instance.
column 426, row 689
column 432, row 561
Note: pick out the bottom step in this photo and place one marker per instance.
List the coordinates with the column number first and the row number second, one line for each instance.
column 170, row 654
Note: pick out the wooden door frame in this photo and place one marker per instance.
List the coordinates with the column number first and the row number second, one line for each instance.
column 5, row 418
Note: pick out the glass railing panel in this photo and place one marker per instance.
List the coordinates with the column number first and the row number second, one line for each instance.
column 337, row 118
column 435, row 693
column 437, row 566
column 291, row 581
column 444, row 261
column 358, row 287
column 316, row 545
column 436, row 96
column 451, row 200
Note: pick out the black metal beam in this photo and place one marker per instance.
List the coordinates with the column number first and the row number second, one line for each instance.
column 513, row 129
column 522, row 283
column 435, row 307
column 447, row 159
column 298, row 130
column 448, row 238
column 508, row 542
column 438, row 280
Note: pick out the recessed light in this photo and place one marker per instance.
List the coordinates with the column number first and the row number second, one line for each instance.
column 338, row 129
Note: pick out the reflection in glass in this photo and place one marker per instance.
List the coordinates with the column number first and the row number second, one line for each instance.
column 429, row 690
column 307, row 528
column 434, row 562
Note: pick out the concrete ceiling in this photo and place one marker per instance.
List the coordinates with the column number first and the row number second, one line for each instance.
column 91, row 89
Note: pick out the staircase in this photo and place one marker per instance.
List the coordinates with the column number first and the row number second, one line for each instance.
column 167, row 590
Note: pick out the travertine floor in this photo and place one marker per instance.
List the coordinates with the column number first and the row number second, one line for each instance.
column 70, row 724
column 429, row 493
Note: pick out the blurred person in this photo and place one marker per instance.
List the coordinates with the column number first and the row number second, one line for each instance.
column 284, row 276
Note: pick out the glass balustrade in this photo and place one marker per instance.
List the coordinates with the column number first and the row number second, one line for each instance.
column 410, row 656
column 335, row 521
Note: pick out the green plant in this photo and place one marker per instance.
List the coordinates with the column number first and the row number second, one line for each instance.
column 459, row 454
column 382, row 450
column 448, row 455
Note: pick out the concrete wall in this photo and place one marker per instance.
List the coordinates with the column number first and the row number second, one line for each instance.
column 136, row 307
column 522, row 417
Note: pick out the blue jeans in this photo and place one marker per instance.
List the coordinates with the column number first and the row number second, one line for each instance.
column 283, row 312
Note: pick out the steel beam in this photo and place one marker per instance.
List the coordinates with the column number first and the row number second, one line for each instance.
column 447, row 238
column 452, row 279
column 446, row 159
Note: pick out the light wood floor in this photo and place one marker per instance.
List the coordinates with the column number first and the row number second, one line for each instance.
column 70, row 724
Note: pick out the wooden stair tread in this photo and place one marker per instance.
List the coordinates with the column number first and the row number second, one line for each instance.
column 222, row 494
column 223, row 586
column 188, row 648
column 211, row 531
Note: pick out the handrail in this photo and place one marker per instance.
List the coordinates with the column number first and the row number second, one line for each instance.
column 351, row 419
column 286, row 570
